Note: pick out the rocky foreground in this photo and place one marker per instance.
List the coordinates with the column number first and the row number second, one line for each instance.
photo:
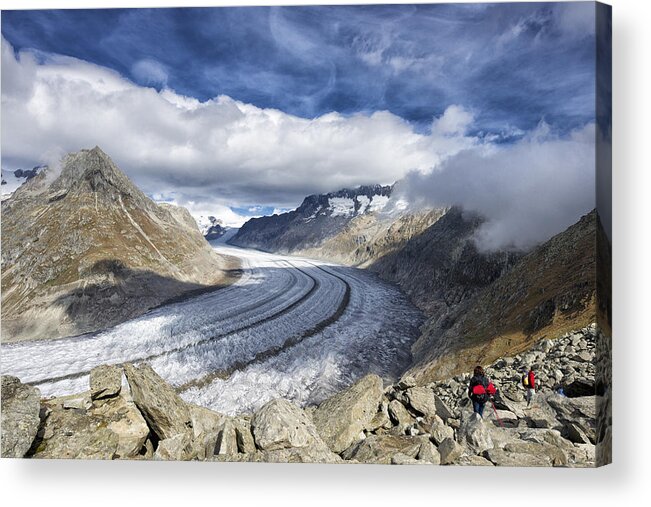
column 130, row 412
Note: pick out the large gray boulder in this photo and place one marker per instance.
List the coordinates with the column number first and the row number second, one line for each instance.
column 421, row 399
column 226, row 438
column 381, row 419
column 450, row 451
column 164, row 410
column 474, row 434
column 381, row 448
column 439, row 431
column 205, row 429
column 429, row 453
column 105, row 381
column 400, row 415
column 280, row 424
column 527, row 454
column 21, row 405
column 243, row 435
column 204, row 420
column 122, row 417
column 403, row 459
column 112, row 428
column 442, row 410
column 341, row 418
column 176, row 448
column 311, row 454
column 574, row 433
column 284, row 433
column 75, row 433
column 473, row 461
column 580, row 412
column 531, row 447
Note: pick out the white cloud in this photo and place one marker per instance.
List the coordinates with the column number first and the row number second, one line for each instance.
column 199, row 208
column 221, row 154
column 221, row 151
column 454, row 121
column 149, row 72
column 527, row 191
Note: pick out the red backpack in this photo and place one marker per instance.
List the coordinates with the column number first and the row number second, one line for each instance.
column 481, row 393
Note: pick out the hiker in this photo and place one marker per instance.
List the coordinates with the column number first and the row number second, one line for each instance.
column 529, row 383
column 480, row 390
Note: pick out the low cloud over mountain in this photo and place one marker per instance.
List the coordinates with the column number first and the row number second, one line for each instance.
column 528, row 191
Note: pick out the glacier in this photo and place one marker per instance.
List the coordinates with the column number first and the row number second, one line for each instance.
column 290, row 327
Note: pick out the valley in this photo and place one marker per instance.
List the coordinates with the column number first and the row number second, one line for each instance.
column 289, row 327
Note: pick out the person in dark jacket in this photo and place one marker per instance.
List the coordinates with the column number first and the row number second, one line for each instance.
column 480, row 390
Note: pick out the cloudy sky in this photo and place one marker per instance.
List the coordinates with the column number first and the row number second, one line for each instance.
column 241, row 111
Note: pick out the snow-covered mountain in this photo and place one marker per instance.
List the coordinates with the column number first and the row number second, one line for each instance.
column 211, row 227
column 319, row 217
column 11, row 180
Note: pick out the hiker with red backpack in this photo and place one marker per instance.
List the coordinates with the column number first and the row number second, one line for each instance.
column 480, row 390
column 529, row 383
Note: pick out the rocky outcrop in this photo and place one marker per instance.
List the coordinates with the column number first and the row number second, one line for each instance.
column 341, row 418
column 474, row 434
column 285, row 433
column 111, row 428
column 382, row 448
column 280, row 424
column 175, row 448
column 20, row 417
column 166, row 413
column 83, row 249
column 105, row 381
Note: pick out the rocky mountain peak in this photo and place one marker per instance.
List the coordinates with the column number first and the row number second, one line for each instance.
column 93, row 171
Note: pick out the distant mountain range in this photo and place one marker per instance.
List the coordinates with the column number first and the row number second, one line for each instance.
column 211, row 227
column 318, row 218
column 85, row 249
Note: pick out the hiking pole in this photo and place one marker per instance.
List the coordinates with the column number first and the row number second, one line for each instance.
column 498, row 417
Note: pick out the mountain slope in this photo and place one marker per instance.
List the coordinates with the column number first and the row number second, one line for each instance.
column 441, row 267
column 87, row 249
column 548, row 292
column 370, row 236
